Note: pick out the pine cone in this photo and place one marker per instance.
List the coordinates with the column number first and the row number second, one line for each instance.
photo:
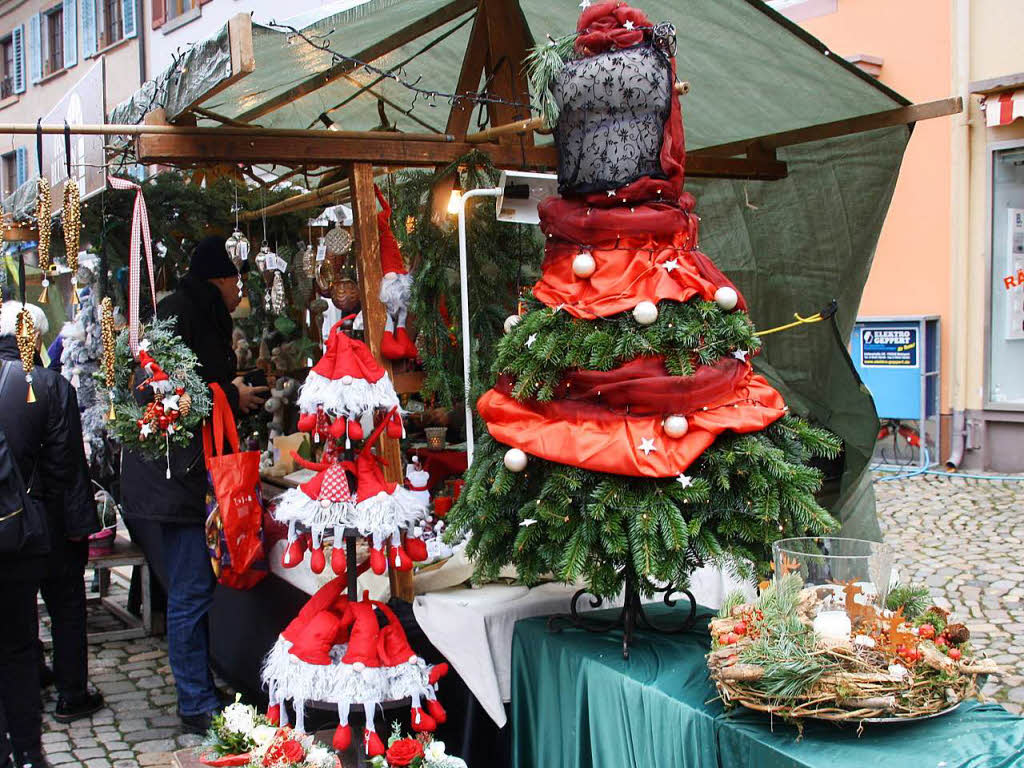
column 184, row 405
column 957, row 633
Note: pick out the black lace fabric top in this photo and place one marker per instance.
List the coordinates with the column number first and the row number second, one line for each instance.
column 612, row 113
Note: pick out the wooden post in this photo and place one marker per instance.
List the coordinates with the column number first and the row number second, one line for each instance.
column 364, row 229
column 509, row 41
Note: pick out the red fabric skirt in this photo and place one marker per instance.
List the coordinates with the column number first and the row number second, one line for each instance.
column 596, row 438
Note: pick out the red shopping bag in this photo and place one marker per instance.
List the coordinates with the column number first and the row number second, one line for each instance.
column 235, row 483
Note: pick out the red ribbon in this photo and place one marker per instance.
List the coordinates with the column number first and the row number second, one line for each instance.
column 140, row 240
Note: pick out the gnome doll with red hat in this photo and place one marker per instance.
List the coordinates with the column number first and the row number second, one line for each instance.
column 344, row 384
column 336, row 651
column 321, row 503
column 385, row 510
column 395, row 289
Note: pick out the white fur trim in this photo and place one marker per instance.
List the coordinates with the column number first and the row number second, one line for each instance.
column 385, row 514
column 348, row 400
column 395, row 291
column 338, row 683
column 294, row 506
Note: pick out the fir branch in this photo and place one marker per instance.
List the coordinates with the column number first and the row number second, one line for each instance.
column 914, row 599
column 543, row 63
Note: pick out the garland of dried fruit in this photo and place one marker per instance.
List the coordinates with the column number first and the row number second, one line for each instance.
column 72, row 217
column 43, row 214
column 107, row 361
column 180, row 399
column 25, row 336
column 901, row 663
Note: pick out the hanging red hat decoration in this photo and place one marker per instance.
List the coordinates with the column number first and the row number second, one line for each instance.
column 395, row 289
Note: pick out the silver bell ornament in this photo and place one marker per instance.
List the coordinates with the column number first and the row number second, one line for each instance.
column 263, row 257
column 237, row 246
column 338, row 240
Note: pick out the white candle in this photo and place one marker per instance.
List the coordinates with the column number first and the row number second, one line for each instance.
column 834, row 625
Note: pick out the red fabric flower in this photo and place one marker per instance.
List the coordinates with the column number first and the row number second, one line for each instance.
column 403, row 752
column 293, row 751
column 602, row 27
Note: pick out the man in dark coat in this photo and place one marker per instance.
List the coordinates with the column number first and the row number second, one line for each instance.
column 45, row 438
column 167, row 516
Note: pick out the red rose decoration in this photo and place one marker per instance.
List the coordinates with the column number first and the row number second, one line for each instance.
column 603, row 27
column 293, row 751
column 403, row 752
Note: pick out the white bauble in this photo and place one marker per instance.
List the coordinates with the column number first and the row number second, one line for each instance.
column 583, row 265
column 515, row 460
column 676, row 426
column 645, row 312
column 726, row 298
column 511, row 322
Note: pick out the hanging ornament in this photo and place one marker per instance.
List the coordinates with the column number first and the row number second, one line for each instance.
column 645, row 312
column 277, row 298
column 309, row 261
column 25, row 335
column 511, row 322
column 515, row 460
column 72, row 220
column 726, row 298
column 43, row 214
column 676, row 425
column 237, row 246
column 583, row 265
column 263, row 257
column 338, row 240
column 107, row 360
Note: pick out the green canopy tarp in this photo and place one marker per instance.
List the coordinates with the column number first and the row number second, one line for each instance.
column 791, row 245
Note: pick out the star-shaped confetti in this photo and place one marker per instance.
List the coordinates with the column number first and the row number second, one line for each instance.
column 526, row 523
column 170, row 403
column 531, row 341
column 146, row 430
column 684, row 480
column 647, row 446
column 671, row 265
column 584, row 4
column 610, row 193
column 628, row 25
column 741, row 354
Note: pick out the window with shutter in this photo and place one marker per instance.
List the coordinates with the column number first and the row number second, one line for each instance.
column 53, row 40
column 70, row 17
column 18, row 39
column 22, row 159
column 10, row 163
column 128, row 18
column 35, row 50
column 7, row 61
column 159, row 13
column 89, row 30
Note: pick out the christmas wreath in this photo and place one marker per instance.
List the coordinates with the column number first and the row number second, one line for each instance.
column 180, row 399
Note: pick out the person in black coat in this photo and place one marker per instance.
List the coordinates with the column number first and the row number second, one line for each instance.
column 45, row 438
column 166, row 516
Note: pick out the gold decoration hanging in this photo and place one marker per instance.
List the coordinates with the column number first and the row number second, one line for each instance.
column 72, row 218
column 184, row 404
column 43, row 213
column 107, row 340
column 25, row 335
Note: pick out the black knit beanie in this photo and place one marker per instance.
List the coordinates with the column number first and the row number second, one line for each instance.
column 210, row 260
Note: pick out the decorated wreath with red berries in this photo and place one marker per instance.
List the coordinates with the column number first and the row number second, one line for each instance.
column 159, row 398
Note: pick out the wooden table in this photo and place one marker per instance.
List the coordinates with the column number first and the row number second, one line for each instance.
column 124, row 553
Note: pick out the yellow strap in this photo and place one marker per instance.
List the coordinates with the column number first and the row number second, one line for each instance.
column 815, row 318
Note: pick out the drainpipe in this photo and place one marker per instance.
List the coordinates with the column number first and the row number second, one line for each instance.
column 960, row 183
column 142, row 30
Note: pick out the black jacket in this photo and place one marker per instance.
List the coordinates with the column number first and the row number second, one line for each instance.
column 204, row 324
column 46, row 440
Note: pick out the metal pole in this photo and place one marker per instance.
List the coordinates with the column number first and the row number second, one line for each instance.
column 464, row 289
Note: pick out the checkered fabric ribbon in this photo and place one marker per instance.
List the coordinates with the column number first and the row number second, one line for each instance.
column 140, row 240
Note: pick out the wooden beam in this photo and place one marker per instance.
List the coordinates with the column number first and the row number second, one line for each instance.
column 461, row 113
column 395, row 40
column 885, row 119
column 508, row 43
column 243, row 59
column 319, row 196
column 364, row 231
column 997, row 84
column 511, row 129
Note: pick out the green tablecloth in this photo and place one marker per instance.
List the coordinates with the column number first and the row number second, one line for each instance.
column 576, row 703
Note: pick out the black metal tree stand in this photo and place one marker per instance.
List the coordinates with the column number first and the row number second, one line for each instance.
column 631, row 617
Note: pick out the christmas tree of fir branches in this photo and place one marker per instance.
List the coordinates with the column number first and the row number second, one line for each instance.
column 647, row 487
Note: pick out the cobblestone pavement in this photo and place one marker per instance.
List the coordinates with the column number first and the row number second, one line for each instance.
column 963, row 538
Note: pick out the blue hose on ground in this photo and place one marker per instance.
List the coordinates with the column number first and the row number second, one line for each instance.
column 902, row 475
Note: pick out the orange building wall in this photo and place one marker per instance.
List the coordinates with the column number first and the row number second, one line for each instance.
column 911, row 270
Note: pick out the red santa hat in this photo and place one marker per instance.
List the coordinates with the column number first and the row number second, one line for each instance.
column 346, row 381
column 391, row 260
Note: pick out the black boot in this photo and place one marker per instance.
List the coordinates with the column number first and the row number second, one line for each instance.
column 198, row 724
column 32, row 759
column 75, row 708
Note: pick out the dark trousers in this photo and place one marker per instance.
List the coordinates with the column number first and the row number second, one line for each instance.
column 21, row 705
column 63, row 591
column 181, row 562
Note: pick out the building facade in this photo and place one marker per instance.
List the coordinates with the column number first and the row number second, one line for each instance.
column 953, row 242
